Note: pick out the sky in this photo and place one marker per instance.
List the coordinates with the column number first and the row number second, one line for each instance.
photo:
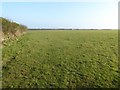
column 80, row 15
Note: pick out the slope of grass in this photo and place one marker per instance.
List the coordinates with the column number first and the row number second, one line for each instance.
column 62, row 59
column 10, row 30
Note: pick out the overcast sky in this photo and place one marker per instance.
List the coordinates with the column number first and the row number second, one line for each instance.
column 83, row 15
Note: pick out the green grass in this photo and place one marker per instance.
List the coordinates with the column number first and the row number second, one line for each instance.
column 65, row 59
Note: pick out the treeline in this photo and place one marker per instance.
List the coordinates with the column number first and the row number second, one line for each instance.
column 68, row 29
column 11, row 30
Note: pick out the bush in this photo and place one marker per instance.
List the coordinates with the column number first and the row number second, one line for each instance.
column 12, row 29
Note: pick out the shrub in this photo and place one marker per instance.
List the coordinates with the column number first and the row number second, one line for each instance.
column 12, row 29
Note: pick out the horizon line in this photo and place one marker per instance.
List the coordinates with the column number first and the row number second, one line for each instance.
column 71, row 29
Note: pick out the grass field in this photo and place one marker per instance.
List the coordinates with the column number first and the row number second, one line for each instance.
column 64, row 59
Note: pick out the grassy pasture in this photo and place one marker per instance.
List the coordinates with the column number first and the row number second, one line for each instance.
column 65, row 59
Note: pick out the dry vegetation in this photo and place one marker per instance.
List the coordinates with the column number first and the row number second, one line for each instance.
column 11, row 30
